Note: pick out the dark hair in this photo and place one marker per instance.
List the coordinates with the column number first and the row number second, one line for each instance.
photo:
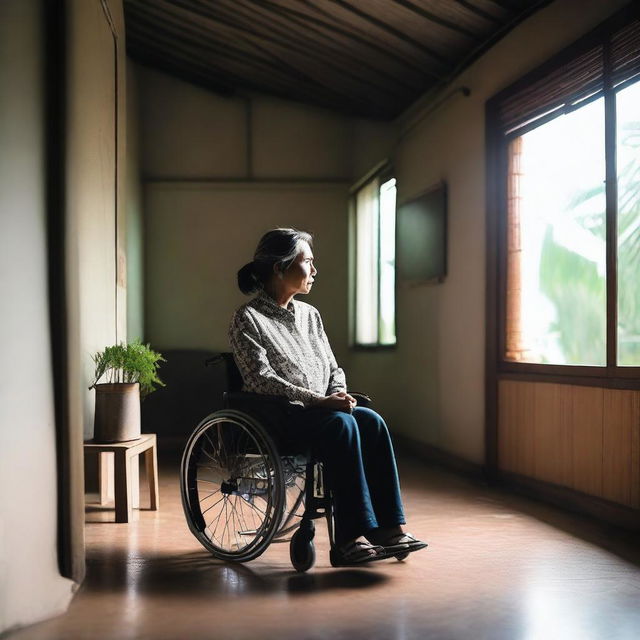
column 276, row 247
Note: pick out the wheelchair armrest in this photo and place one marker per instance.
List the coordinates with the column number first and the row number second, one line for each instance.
column 363, row 399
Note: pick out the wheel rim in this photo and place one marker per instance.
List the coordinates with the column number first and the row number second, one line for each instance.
column 232, row 486
column 294, row 469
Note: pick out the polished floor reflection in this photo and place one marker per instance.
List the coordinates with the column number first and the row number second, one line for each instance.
column 497, row 567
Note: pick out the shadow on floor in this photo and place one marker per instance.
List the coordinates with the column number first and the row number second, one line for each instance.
column 187, row 574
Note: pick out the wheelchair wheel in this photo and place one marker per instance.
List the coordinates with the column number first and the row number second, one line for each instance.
column 232, row 486
column 302, row 551
column 294, row 468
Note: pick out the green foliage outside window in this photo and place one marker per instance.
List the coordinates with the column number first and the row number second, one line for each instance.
column 573, row 284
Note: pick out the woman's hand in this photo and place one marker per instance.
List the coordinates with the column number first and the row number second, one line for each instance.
column 339, row 401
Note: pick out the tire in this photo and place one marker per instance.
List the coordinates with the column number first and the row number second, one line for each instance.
column 302, row 551
column 232, row 486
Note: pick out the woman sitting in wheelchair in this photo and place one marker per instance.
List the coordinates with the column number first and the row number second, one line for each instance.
column 280, row 347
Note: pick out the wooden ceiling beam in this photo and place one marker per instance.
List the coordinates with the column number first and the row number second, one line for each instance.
column 479, row 12
column 507, row 5
column 436, row 19
column 324, row 47
column 173, row 41
column 184, row 64
column 308, row 50
column 176, row 28
column 400, row 35
column 204, row 35
column 144, row 52
column 300, row 18
column 187, row 71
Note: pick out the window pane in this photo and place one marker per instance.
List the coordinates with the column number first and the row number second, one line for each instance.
column 388, row 262
column 628, row 165
column 367, row 264
column 556, row 292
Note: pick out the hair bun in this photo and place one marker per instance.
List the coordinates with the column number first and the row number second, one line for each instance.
column 248, row 281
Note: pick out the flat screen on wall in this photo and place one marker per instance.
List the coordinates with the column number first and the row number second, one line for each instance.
column 422, row 237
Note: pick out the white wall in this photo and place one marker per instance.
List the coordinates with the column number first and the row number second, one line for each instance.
column 31, row 587
column 436, row 395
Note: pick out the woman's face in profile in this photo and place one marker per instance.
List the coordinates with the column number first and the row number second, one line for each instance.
column 299, row 276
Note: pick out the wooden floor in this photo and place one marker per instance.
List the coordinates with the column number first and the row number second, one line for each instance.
column 497, row 567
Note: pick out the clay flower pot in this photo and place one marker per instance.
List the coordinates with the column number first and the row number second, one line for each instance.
column 117, row 416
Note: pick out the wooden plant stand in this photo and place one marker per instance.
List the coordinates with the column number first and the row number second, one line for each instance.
column 123, row 452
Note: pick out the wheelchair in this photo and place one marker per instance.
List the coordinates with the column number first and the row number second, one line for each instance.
column 243, row 486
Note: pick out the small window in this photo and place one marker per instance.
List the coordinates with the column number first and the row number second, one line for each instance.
column 374, row 206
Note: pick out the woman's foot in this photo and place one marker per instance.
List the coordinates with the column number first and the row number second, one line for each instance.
column 356, row 552
column 395, row 540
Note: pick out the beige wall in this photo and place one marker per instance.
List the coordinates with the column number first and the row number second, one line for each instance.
column 199, row 235
column 96, row 221
column 31, row 587
column 134, row 216
column 218, row 173
column 437, row 392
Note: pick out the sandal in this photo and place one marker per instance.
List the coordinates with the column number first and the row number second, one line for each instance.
column 357, row 552
column 403, row 543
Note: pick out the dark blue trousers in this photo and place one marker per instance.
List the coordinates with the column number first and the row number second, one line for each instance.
column 359, row 467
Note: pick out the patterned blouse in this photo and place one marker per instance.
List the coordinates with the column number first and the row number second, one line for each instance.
column 284, row 351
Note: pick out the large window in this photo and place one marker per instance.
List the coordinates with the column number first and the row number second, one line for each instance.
column 566, row 162
column 374, row 208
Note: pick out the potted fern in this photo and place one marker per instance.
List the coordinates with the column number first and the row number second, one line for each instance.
column 124, row 373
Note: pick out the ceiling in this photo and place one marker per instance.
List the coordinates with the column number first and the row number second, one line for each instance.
column 368, row 58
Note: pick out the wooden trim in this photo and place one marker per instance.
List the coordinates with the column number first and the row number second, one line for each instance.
column 570, row 500
column 581, row 381
column 438, row 457
column 569, row 372
column 560, row 497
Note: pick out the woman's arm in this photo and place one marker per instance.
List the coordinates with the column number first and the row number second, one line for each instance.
column 257, row 373
column 337, row 379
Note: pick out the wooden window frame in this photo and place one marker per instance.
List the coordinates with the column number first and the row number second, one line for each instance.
column 611, row 375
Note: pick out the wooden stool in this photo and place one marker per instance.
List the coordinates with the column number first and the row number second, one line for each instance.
column 123, row 453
